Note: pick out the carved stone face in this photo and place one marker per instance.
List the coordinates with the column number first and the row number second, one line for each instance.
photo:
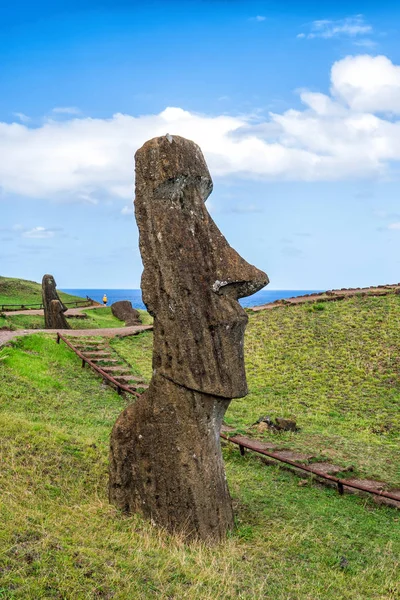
column 49, row 285
column 192, row 278
column 49, row 290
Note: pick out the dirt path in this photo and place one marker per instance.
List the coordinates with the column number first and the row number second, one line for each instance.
column 6, row 336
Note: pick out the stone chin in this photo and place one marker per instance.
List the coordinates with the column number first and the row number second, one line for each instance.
column 210, row 360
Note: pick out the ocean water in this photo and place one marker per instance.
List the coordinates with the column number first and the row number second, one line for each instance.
column 135, row 296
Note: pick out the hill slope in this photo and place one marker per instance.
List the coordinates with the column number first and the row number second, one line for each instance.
column 61, row 539
column 22, row 291
column 334, row 367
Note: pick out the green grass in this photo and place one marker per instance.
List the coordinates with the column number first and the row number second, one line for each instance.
column 21, row 291
column 145, row 317
column 61, row 539
column 336, row 371
column 137, row 350
column 15, row 322
column 97, row 318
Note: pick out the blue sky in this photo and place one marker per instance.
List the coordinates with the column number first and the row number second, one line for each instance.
column 295, row 106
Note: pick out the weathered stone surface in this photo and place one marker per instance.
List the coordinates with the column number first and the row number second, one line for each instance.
column 124, row 311
column 286, row 424
column 165, row 456
column 166, row 460
column 53, row 307
column 192, row 278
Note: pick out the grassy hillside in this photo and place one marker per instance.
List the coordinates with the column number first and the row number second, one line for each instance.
column 96, row 318
column 61, row 539
column 334, row 367
column 21, row 291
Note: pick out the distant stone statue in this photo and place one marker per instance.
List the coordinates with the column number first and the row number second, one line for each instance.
column 54, row 309
column 165, row 455
column 124, row 311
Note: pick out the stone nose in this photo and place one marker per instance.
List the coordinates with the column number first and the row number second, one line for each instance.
column 240, row 280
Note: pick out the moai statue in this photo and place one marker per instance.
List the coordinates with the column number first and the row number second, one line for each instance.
column 124, row 311
column 54, row 309
column 165, row 455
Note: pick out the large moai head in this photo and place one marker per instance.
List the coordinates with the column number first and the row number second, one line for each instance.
column 192, row 278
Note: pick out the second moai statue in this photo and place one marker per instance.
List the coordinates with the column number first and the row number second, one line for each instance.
column 54, row 309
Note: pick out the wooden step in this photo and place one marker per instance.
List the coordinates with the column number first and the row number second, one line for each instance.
column 89, row 344
column 138, row 388
column 105, row 360
column 135, row 378
column 128, row 378
column 80, row 342
column 293, row 456
column 85, row 349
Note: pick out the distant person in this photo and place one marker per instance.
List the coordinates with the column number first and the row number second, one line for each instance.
column 105, row 300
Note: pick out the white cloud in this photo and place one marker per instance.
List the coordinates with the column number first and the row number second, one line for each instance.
column 258, row 18
column 365, row 43
column 39, row 233
column 338, row 136
column 22, row 117
column 87, row 198
column 246, row 208
column 66, row 110
column 367, row 83
column 349, row 27
column 127, row 210
column 394, row 226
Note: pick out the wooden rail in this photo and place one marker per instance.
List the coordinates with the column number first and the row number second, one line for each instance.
column 256, row 446
column 39, row 305
column 242, row 442
column 85, row 360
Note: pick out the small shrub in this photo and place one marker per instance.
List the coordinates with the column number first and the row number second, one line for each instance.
column 316, row 306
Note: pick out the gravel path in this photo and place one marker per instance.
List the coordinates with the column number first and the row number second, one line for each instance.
column 5, row 336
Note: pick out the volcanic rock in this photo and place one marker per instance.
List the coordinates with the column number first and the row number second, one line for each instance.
column 124, row 312
column 165, row 455
column 54, row 309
